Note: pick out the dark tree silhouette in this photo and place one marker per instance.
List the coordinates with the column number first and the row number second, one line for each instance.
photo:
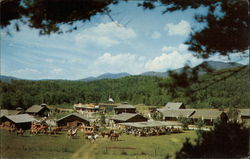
column 226, row 29
column 226, row 140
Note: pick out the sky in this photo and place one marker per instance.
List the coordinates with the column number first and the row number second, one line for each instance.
column 137, row 41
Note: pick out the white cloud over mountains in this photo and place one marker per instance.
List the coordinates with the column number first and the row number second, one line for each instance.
column 181, row 28
column 105, row 35
column 126, row 62
column 171, row 58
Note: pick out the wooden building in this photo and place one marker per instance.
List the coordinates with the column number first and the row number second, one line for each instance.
column 107, row 107
column 125, row 108
column 38, row 110
column 73, row 120
column 128, row 117
column 23, row 121
column 10, row 112
column 86, row 108
column 208, row 115
column 245, row 116
column 173, row 115
column 172, row 106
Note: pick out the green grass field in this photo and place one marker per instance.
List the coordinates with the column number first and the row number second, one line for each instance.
column 59, row 146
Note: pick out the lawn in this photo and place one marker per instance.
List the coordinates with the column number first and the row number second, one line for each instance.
column 59, row 146
column 40, row 146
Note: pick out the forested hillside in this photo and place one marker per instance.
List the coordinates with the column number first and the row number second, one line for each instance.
column 222, row 88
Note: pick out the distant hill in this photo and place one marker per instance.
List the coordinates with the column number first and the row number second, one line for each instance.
column 7, row 78
column 106, row 76
column 153, row 73
column 215, row 65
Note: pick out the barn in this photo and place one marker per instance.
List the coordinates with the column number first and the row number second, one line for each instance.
column 73, row 120
column 20, row 121
column 128, row 117
column 38, row 110
column 126, row 108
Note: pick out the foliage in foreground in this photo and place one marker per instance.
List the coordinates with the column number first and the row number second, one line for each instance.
column 226, row 140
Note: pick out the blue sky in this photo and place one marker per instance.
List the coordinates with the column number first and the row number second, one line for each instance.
column 138, row 41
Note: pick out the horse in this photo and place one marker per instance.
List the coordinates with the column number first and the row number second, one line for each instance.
column 105, row 133
column 114, row 136
column 12, row 130
column 92, row 138
column 20, row 131
column 72, row 132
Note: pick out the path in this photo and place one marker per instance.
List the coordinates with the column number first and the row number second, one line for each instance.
column 87, row 150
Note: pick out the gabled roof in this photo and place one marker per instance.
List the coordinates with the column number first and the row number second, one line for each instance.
column 178, row 113
column 124, row 116
column 74, row 114
column 9, row 112
column 206, row 113
column 21, row 118
column 244, row 112
column 172, row 105
column 3, row 112
column 35, row 109
column 125, row 106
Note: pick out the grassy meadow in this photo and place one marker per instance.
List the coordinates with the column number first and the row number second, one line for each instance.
column 60, row 146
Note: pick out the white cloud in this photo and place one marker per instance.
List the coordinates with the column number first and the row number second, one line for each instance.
column 180, row 48
column 25, row 71
column 172, row 58
column 126, row 62
column 57, row 70
column 105, row 35
column 182, row 28
column 155, row 35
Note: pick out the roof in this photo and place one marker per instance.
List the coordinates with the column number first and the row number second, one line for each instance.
column 152, row 124
column 3, row 112
column 75, row 114
column 124, row 116
column 244, row 112
column 125, row 106
column 35, row 109
column 172, row 105
column 206, row 113
column 178, row 112
column 8, row 112
column 21, row 118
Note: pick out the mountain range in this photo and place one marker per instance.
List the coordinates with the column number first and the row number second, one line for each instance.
column 215, row 65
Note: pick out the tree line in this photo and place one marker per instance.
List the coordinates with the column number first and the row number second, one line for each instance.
column 231, row 91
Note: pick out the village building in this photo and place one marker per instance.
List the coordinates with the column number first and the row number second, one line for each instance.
column 208, row 115
column 73, row 120
column 125, row 108
column 23, row 121
column 10, row 112
column 153, row 124
column 172, row 106
column 107, row 107
column 128, row 117
column 173, row 115
column 86, row 108
column 38, row 110
column 245, row 115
